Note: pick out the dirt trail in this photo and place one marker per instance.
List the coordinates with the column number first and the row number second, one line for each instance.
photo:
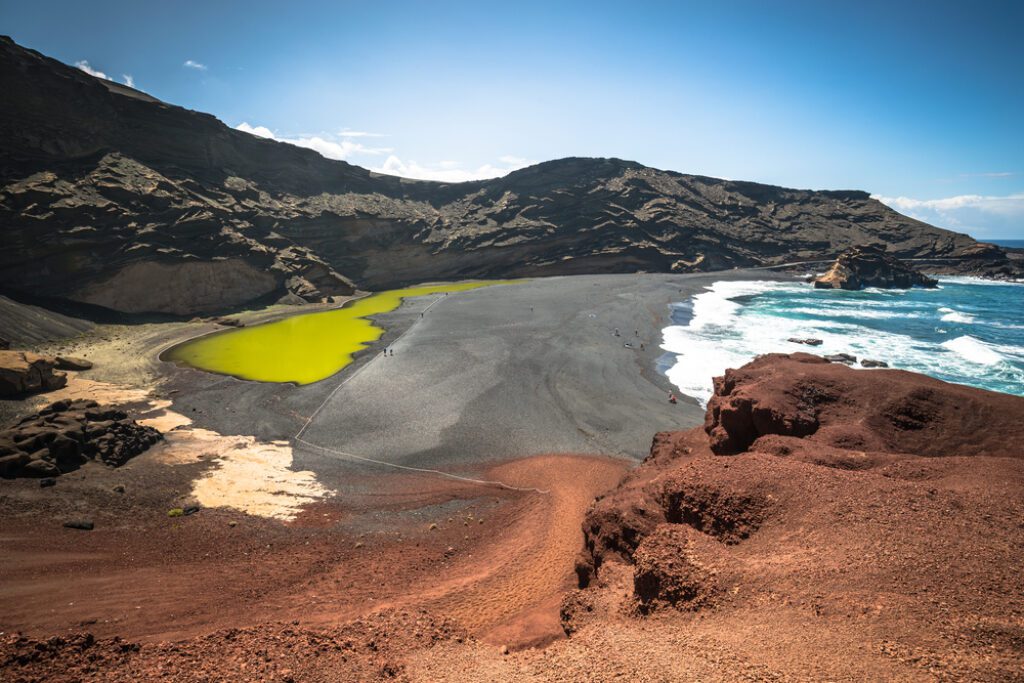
column 508, row 592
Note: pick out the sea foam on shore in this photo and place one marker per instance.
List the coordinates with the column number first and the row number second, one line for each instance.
column 967, row 331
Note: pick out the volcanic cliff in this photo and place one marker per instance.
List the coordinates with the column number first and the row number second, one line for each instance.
column 876, row 509
column 111, row 197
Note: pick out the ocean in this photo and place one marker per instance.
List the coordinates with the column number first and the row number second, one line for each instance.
column 969, row 331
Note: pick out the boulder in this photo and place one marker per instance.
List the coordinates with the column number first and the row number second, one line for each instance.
column 82, row 524
column 870, row 266
column 676, row 566
column 841, row 358
column 73, row 363
column 23, row 372
column 808, row 342
column 67, row 434
column 868, row 363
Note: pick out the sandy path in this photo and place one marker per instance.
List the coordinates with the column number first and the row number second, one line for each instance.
column 509, row 591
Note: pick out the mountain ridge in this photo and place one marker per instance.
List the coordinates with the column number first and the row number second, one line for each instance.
column 127, row 202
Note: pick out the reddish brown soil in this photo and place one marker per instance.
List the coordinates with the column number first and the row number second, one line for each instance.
column 495, row 562
column 867, row 526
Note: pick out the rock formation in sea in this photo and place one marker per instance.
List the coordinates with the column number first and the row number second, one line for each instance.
column 136, row 205
column 870, row 266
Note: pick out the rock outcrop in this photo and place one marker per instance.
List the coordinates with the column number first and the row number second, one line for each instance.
column 67, row 434
column 128, row 202
column 24, row 372
column 870, row 266
column 819, row 486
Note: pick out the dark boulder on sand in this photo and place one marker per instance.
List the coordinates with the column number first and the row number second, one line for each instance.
column 73, row 363
column 67, row 434
column 870, row 266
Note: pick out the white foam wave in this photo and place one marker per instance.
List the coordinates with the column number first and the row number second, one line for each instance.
column 973, row 350
column 969, row 280
column 951, row 316
column 724, row 334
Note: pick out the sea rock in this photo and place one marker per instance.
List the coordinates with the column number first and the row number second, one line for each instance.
column 24, row 372
column 870, row 266
column 841, row 358
column 868, row 363
column 67, row 434
column 809, row 341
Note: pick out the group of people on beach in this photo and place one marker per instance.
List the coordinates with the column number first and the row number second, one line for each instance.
column 636, row 333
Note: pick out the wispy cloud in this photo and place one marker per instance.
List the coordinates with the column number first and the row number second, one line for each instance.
column 982, row 215
column 343, row 148
column 450, row 171
column 326, row 145
column 346, row 133
column 995, row 174
column 84, row 66
column 192, row 64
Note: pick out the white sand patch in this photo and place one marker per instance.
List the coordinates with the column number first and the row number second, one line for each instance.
column 248, row 475
column 79, row 387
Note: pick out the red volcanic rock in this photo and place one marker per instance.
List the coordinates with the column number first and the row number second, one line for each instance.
column 829, row 404
column 676, row 566
column 857, row 504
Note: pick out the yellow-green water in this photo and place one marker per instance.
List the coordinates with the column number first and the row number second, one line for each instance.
column 303, row 348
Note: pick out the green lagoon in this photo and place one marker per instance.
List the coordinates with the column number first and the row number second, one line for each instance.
column 303, row 348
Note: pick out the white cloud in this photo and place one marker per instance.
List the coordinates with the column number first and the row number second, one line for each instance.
column 982, row 215
column 191, row 64
column 993, row 174
column 325, row 145
column 450, row 171
column 346, row 133
column 84, row 66
column 128, row 80
column 341, row 148
column 260, row 131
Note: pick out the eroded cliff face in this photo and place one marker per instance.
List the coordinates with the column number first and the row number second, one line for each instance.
column 97, row 177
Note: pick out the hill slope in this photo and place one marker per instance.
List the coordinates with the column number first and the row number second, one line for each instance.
column 111, row 197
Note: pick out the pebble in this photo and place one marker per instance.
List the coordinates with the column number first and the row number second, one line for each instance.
column 83, row 524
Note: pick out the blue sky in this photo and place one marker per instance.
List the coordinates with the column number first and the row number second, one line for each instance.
column 921, row 103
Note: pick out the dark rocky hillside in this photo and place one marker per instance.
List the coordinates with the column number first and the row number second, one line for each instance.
column 111, row 197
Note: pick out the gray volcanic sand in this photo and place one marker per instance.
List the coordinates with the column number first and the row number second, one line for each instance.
column 480, row 377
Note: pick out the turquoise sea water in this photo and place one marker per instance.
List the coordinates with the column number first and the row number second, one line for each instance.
column 967, row 331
